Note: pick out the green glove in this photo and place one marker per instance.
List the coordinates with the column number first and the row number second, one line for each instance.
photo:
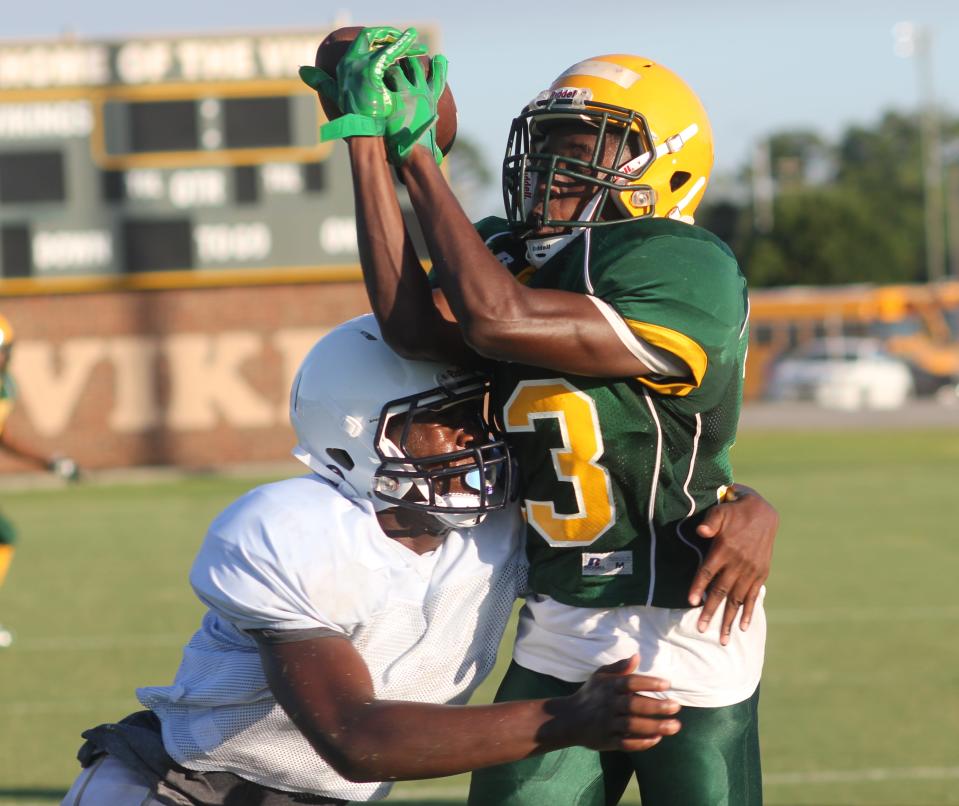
column 359, row 90
column 415, row 109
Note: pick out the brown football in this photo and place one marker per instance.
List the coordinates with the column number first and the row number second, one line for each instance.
column 328, row 56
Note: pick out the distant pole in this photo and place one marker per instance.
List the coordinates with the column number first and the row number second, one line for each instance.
column 915, row 41
column 950, row 163
column 763, row 188
column 952, row 217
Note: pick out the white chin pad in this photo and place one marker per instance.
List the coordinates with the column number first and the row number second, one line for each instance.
column 539, row 250
column 459, row 520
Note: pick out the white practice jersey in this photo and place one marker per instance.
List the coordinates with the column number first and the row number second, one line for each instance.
column 298, row 555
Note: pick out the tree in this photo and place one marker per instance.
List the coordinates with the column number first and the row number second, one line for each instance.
column 849, row 212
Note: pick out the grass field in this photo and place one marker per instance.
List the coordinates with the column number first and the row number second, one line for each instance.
column 861, row 689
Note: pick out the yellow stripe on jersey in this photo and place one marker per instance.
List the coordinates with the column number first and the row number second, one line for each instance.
column 526, row 275
column 6, row 406
column 6, row 557
column 680, row 345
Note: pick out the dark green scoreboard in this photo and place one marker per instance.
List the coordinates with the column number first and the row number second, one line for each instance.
column 184, row 154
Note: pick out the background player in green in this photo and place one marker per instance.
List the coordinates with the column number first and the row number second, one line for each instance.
column 621, row 353
column 61, row 465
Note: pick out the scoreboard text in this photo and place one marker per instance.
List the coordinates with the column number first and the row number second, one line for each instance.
column 166, row 154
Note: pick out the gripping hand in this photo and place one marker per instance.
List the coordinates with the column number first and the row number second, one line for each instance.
column 613, row 710
column 359, row 89
column 414, row 116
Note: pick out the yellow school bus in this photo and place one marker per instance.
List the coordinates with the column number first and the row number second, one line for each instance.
column 919, row 323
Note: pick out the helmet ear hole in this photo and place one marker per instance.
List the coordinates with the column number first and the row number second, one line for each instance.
column 341, row 457
column 678, row 179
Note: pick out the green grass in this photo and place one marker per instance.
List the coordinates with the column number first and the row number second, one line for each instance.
column 861, row 688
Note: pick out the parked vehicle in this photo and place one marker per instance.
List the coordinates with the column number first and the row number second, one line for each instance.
column 918, row 323
column 842, row 373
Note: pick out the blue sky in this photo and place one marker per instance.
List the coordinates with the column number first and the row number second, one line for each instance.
column 758, row 65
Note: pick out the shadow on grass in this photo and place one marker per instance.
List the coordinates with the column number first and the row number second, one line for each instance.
column 32, row 794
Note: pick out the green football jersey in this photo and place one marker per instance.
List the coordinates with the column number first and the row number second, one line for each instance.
column 8, row 396
column 617, row 473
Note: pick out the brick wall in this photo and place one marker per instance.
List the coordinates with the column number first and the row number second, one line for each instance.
column 191, row 377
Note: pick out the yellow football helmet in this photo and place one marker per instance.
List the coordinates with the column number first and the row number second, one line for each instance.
column 664, row 155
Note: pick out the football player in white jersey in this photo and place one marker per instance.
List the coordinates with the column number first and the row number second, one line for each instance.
column 353, row 610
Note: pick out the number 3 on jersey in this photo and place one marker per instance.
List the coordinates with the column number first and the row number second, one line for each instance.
column 575, row 462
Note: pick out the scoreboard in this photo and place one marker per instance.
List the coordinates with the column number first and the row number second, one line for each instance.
column 190, row 154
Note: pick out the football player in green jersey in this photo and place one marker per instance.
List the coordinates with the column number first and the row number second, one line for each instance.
column 617, row 332
column 60, row 465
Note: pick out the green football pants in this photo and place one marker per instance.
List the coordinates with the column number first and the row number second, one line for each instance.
column 8, row 539
column 712, row 761
column 8, row 532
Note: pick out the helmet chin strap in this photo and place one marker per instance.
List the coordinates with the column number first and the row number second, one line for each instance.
column 539, row 250
column 413, row 523
column 436, row 523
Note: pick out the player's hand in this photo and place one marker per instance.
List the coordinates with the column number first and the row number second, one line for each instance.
column 414, row 116
column 609, row 713
column 743, row 530
column 359, row 88
column 65, row 468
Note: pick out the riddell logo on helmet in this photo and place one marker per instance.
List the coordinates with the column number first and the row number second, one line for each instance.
column 528, row 182
column 635, row 164
column 570, row 94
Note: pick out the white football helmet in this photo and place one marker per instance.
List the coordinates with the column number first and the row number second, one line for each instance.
column 351, row 385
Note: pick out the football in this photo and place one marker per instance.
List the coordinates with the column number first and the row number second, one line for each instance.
column 328, row 56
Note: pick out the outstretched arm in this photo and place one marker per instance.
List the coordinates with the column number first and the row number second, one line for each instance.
column 62, row 466
column 23, row 451
column 500, row 318
column 324, row 686
column 397, row 286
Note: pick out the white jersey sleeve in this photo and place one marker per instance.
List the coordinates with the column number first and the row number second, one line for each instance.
column 660, row 361
column 292, row 556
